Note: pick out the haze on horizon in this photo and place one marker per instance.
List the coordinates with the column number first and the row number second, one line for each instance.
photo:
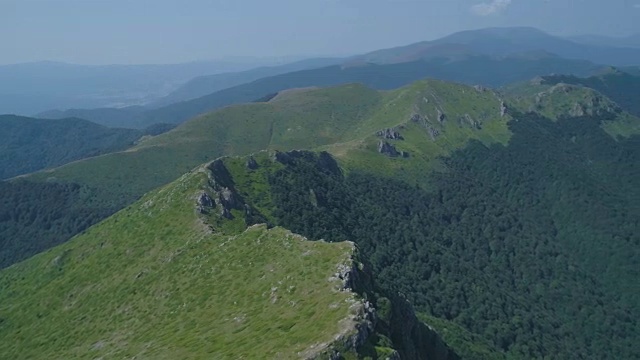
column 169, row 31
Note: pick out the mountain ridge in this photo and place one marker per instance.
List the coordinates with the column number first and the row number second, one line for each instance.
column 472, row 70
column 322, row 293
column 343, row 120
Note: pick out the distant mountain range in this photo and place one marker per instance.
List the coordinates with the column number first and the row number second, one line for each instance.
column 473, row 69
column 490, row 57
column 203, row 85
column 505, row 41
column 30, row 88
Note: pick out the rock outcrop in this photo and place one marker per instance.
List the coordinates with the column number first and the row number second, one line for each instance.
column 324, row 160
column 252, row 164
column 389, row 134
column 390, row 150
column 468, row 121
column 442, row 117
column 377, row 315
column 378, row 319
column 224, row 196
column 433, row 132
column 204, row 203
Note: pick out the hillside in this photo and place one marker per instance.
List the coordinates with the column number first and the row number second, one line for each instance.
column 529, row 245
column 205, row 85
column 472, row 70
column 509, row 220
column 342, row 120
column 28, row 145
column 490, row 57
column 617, row 85
column 168, row 277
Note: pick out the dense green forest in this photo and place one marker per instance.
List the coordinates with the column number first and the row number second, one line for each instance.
column 48, row 212
column 532, row 246
column 28, row 144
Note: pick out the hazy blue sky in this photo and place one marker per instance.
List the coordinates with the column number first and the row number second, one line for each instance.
column 163, row 31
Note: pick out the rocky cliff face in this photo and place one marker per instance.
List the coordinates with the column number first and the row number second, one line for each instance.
column 383, row 324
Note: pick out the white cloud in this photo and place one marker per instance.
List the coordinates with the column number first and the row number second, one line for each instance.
column 489, row 8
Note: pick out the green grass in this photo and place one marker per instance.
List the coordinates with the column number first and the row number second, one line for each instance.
column 341, row 120
column 254, row 184
column 458, row 102
column 153, row 282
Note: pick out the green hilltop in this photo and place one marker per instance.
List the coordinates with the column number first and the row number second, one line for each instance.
column 157, row 280
column 559, row 96
column 499, row 247
column 618, row 85
column 465, row 68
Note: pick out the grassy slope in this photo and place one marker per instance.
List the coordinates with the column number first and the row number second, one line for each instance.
column 479, row 69
column 620, row 86
column 330, row 114
column 253, row 185
column 347, row 116
column 341, row 120
column 460, row 104
column 153, row 282
column 485, row 70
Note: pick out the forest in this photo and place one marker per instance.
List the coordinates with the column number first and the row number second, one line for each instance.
column 532, row 246
column 37, row 216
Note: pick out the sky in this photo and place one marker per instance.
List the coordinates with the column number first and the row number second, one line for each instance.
column 169, row 31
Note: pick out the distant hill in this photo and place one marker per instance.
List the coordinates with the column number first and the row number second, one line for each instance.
column 28, row 145
column 482, row 70
column 205, row 85
column 619, row 86
column 505, row 41
column 474, row 48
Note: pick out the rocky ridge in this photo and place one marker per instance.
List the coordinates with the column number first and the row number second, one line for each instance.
column 378, row 319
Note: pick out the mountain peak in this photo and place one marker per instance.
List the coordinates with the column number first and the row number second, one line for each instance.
column 504, row 32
